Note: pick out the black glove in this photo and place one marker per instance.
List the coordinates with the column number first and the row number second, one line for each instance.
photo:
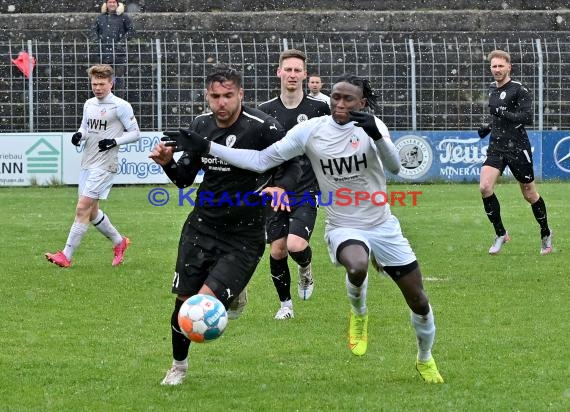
column 76, row 138
column 484, row 130
column 367, row 122
column 107, row 144
column 496, row 111
column 170, row 138
column 187, row 140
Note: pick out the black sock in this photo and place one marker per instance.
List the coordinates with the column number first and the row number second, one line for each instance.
column 180, row 343
column 281, row 277
column 539, row 211
column 302, row 258
column 493, row 210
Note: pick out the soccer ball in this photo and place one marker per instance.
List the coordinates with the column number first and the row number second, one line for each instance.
column 202, row 318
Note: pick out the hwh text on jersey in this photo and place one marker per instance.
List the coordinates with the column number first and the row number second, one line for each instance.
column 97, row 124
column 343, row 164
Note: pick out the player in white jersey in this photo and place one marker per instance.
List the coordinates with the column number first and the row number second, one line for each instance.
column 107, row 123
column 348, row 150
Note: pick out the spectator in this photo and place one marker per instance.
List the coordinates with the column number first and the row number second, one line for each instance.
column 112, row 28
column 315, row 86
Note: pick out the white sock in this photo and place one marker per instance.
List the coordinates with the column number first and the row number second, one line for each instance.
column 76, row 233
column 104, row 225
column 180, row 364
column 425, row 333
column 287, row 303
column 357, row 296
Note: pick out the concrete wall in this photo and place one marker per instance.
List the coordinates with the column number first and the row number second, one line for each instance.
column 72, row 19
column 59, row 6
column 289, row 24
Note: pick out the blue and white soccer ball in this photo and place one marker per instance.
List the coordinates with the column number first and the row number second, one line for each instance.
column 202, row 318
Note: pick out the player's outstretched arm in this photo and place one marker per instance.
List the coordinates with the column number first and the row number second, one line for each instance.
column 254, row 160
column 183, row 173
column 186, row 140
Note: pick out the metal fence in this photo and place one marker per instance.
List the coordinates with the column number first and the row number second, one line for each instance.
column 423, row 85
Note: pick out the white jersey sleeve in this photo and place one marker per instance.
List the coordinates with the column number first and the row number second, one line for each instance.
column 259, row 161
column 255, row 160
column 126, row 115
column 386, row 149
column 84, row 128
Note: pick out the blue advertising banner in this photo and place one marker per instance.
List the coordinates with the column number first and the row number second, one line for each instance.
column 434, row 156
column 450, row 156
column 556, row 155
column 49, row 158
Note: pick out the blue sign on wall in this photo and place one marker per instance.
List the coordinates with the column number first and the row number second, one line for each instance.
column 453, row 156
column 556, row 155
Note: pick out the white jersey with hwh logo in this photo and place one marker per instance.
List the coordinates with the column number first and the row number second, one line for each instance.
column 345, row 160
column 108, row 118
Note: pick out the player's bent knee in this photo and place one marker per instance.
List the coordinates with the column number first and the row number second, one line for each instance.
column 279, row 250
column 398, row 272
column 486, row 190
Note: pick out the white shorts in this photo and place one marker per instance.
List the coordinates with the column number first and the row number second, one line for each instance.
column 95, row 183
column 386, row 241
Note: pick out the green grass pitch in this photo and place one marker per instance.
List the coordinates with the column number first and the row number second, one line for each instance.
column 97, row 338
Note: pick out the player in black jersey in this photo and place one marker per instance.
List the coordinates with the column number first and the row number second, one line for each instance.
column 223, row 238
column 510, row 106
column 289, row 232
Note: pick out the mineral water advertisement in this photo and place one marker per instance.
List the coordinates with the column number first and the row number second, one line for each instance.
column 449, row 156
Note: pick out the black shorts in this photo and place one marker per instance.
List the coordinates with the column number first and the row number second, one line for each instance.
column 300, row 221
column 224, row 261
column 519, row 162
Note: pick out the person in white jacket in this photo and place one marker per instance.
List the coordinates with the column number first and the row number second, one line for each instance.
column 348, row 151
column 315, row 85
column 108, row 122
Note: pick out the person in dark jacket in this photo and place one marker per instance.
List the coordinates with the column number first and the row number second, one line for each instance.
column 112, row 28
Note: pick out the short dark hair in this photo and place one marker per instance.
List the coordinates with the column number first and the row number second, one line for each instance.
column 364, row 84
column 223, row 72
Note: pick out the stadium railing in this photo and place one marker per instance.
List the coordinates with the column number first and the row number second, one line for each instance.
column 422, row 85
